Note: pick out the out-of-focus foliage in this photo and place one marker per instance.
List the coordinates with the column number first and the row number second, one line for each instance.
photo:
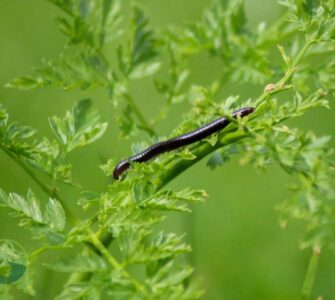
column 145, row 262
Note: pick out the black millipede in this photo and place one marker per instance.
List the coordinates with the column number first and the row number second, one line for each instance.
column 179, row 141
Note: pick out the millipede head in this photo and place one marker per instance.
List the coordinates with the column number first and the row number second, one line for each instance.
column 121, row 167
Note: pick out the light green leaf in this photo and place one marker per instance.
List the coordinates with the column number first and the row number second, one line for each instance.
column 89, row 262
column 186, row 154
column 238, row 16
column 145, row 70
column 48, row 224
column 108, row 167
column 24, row 83
column 59, row 129
column 63, row 173
column 54, row 215
column 79, row 127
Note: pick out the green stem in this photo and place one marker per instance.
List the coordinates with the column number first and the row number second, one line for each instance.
column 144, row 125
column 310, row 274
column 288, row 75
column 281, row 84
column 200, row 152
column 115, row 264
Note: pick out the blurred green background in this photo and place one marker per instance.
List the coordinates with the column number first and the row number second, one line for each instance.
column 239, row 249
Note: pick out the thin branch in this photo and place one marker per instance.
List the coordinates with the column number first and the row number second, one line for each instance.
column 115, row 264
column 310, row 274
column 203, row 149
column 281, row 84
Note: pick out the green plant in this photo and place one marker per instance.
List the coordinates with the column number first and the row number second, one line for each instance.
column 147, row 263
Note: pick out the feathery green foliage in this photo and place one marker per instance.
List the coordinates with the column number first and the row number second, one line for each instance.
column 146, row 262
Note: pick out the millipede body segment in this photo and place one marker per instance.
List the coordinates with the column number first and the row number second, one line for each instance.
column 179, row 141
